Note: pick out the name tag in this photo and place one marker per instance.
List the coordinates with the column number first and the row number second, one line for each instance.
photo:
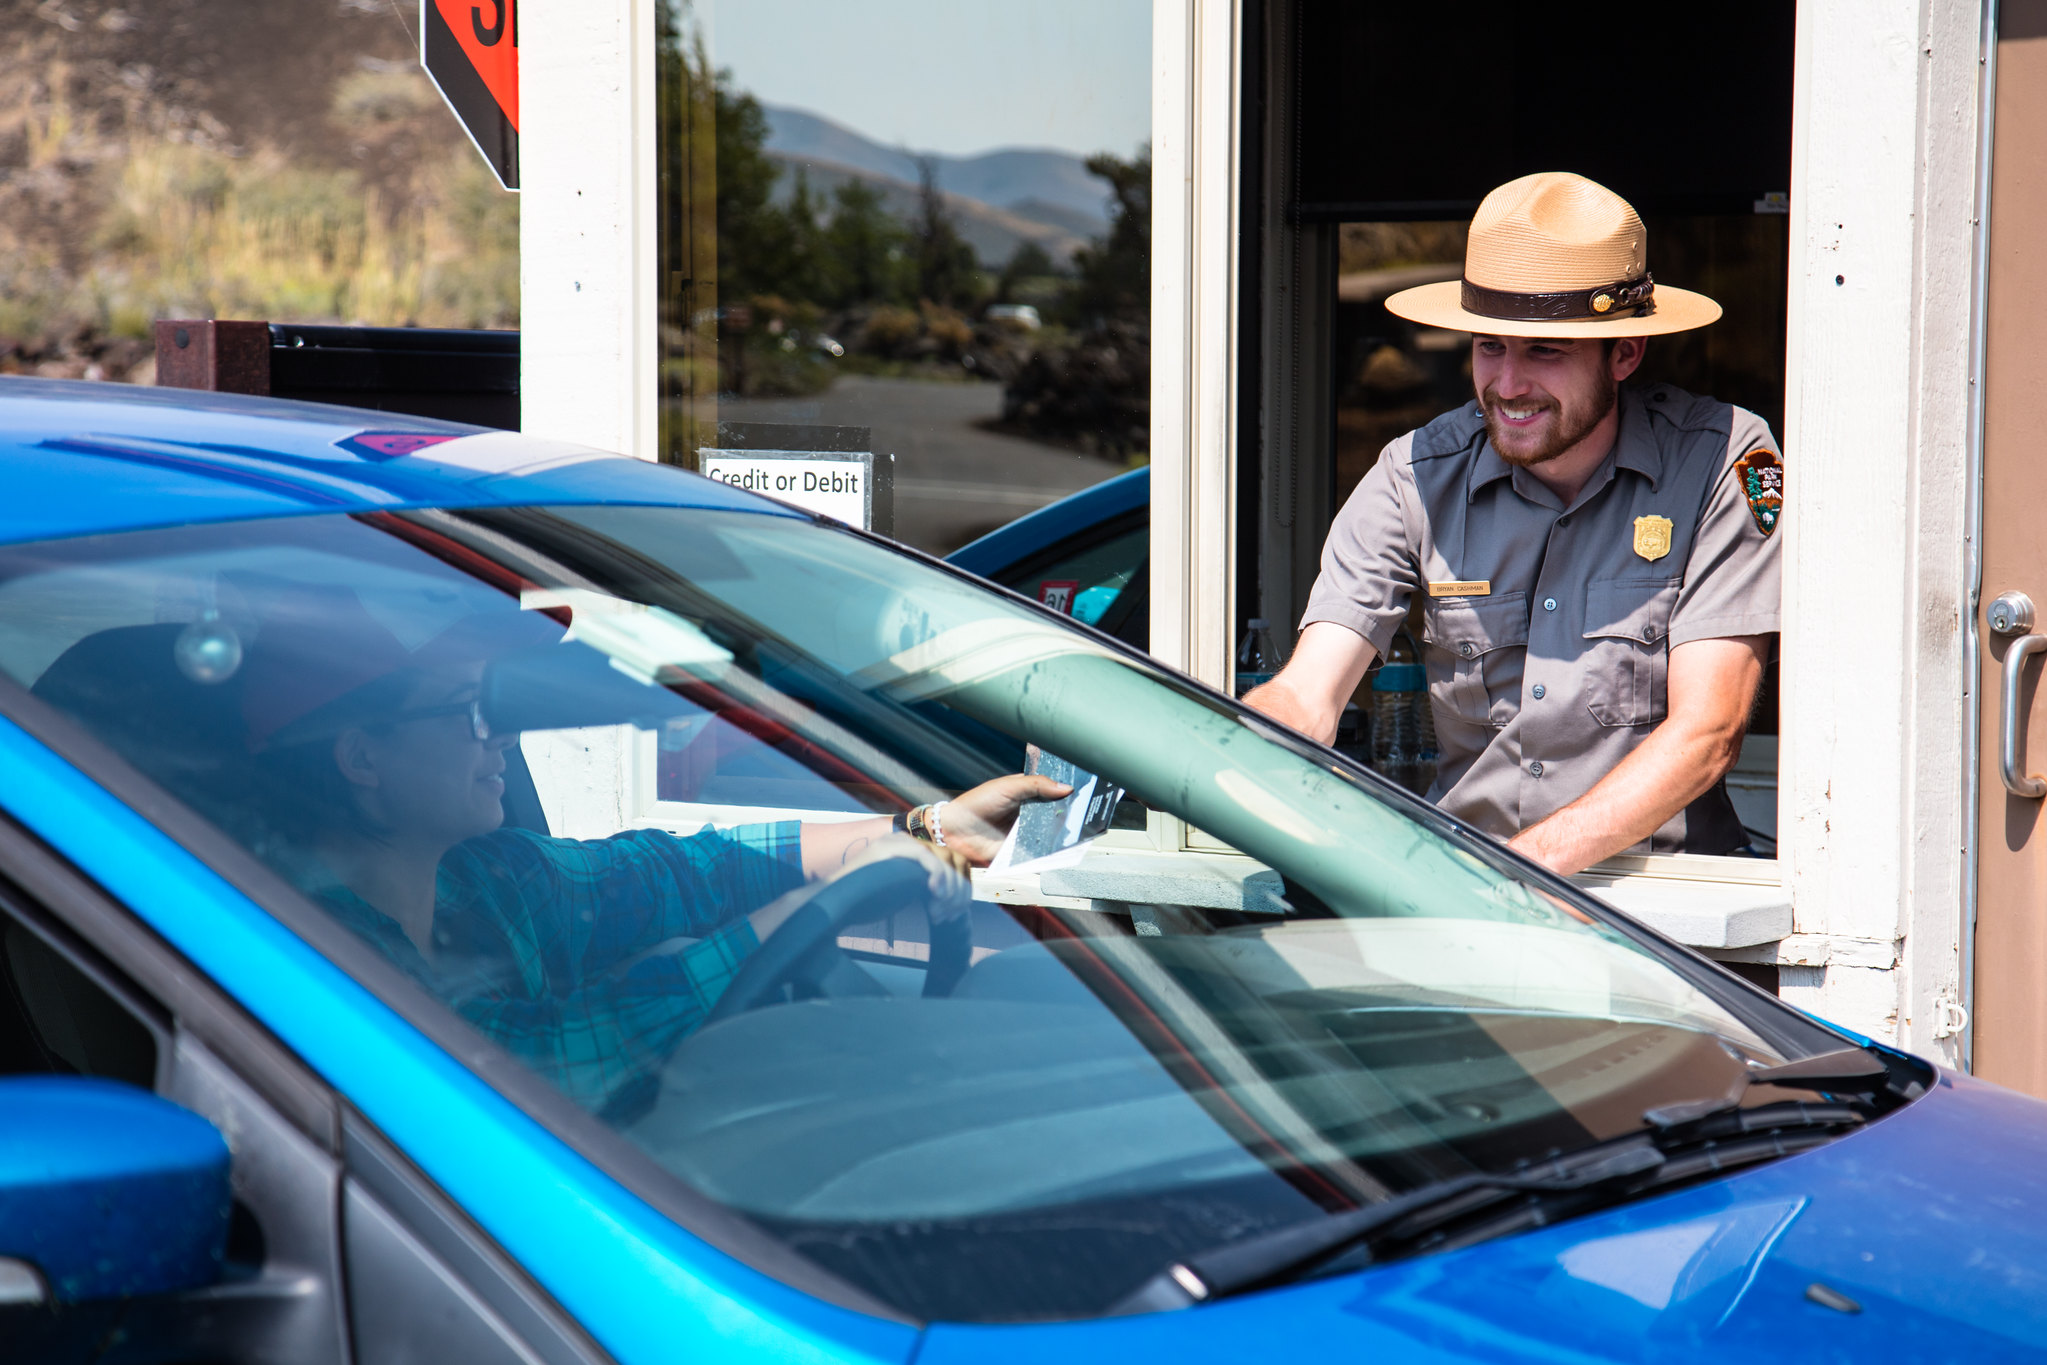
column 1462, row 587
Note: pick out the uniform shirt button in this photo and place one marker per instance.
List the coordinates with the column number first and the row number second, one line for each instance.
column 1549, row 604
column 1649, row 632
column 1535, row 769
column 1467, row 649
column 1538, row 691
column 1564, row 520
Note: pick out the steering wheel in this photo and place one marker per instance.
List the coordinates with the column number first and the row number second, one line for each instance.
column 804, row 948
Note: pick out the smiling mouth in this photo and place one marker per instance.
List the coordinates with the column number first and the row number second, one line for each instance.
column 1518, row 416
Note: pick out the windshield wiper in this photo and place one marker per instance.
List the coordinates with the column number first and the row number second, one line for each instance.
column 1286, row 1251
column 1846, row 1071
column 1683, row 1140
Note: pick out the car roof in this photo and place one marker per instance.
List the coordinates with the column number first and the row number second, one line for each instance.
column 81, row 458
column 1046, row 527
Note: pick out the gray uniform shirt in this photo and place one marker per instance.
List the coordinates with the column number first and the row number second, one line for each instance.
column 1548, row 628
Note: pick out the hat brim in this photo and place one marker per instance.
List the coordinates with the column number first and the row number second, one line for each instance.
column 1442, row 305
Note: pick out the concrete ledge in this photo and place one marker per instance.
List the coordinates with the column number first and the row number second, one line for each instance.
column 1112, row 878
column 1699, row 914
column 1204, row 880
column 1746, row 916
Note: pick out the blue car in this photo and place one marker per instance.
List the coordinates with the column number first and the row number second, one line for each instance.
column 1087, row 555
column 471, row 898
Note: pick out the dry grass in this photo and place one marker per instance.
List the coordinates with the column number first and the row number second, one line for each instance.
column 189, row 232
column 122, row 216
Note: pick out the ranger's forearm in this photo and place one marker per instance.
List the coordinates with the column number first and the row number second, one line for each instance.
column 1674, row 766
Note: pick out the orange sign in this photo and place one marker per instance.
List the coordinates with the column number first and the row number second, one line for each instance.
column 471, row 49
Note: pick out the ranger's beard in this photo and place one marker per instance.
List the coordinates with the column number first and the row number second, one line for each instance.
column 1570, row 427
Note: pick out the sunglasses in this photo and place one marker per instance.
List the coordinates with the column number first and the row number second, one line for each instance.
column 479, row 727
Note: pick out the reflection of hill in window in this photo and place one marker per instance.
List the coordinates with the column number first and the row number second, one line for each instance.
column 793, row 250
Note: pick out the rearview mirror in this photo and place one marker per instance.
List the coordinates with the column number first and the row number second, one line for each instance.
column 106, row 1192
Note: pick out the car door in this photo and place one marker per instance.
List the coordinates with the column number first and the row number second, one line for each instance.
column 338, row 1250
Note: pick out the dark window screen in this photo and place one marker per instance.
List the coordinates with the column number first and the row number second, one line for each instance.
column 1416, row 111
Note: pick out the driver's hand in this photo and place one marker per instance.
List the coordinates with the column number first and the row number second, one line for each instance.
column 952, row 888
column 977, row 821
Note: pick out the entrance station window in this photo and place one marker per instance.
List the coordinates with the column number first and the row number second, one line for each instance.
column 920, row 230
column 1374, row 132
column 1389, row 376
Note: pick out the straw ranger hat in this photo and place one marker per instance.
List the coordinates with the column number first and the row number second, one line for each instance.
column 1555, row 255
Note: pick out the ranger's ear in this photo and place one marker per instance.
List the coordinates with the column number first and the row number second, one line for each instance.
column 1624, row 356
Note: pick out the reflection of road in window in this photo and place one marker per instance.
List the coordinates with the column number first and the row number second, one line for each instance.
column 963, row 272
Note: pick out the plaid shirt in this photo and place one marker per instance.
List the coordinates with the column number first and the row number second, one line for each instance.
column 549, row 945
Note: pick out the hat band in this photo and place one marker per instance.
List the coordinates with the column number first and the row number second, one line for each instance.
column 1625, row 298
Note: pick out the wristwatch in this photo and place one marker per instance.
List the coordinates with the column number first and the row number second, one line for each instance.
column 922, row 823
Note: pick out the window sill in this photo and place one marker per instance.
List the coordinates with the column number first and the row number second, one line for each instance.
column 1700, row 902
column 1712, row 903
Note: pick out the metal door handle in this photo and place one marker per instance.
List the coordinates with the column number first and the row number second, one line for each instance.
column 2011, row 756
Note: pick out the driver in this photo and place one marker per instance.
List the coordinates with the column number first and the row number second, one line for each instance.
column 588, row 959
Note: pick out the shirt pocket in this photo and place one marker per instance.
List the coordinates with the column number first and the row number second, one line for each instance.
column 1627, row 651
column 1476, row 649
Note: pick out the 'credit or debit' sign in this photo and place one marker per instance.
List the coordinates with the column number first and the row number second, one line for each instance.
column 836, row 485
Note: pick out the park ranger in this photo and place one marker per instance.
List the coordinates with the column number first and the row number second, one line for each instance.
column 1596, row 564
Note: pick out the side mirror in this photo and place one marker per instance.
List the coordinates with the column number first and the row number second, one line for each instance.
column 106, row 1192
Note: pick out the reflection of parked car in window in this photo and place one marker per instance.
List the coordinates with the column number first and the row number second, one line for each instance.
column 1288, row 1065
column 1022, row 315
column 1087, row 555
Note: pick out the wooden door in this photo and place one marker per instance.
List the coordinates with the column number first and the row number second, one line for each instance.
column 2010, row 999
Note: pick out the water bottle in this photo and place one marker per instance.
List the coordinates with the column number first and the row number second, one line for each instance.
column 1403, row 731
column 1257, row 657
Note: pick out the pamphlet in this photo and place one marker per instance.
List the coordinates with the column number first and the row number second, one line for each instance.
column 1051, row 834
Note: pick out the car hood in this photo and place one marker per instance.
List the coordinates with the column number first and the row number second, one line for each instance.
column 1932, row 1220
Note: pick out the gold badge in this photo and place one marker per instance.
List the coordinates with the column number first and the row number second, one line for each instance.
column 1652, row 537
column 1462, row 587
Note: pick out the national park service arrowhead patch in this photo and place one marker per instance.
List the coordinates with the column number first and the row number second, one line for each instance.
column 1762, row 483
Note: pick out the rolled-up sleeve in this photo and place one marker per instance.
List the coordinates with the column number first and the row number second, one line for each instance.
column 1733, row 577
column 1368, row 563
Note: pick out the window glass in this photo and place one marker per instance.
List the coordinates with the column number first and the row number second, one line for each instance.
column 920, row 229
column 1088, row 580
column 54, row 1019
column 616, row 786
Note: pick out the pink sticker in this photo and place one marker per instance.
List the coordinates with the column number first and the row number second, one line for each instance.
column 389, row 445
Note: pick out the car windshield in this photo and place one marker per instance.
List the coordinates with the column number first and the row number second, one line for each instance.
column 618, row 788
